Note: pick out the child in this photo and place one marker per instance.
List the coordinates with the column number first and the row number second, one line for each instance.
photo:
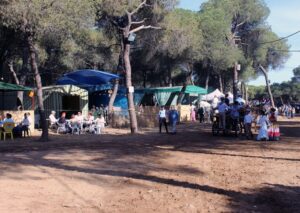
column 248, row 119
column 274, row 132
column 263, row 122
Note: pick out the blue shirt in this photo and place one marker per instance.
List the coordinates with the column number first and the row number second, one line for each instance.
column 235, row 111
column 173, row 116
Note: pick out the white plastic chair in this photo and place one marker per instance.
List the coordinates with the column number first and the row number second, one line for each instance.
column 61, row 128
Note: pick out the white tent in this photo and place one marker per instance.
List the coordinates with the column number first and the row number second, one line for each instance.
column 241, row 100
column 204, row 104
column 210, row 96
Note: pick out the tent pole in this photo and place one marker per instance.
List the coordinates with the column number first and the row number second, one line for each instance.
column 32, row 102
column 2, row 100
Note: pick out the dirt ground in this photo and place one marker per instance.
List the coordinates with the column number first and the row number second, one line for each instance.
column 192, row 171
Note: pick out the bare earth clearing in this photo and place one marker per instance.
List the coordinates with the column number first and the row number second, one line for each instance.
column 116, row 172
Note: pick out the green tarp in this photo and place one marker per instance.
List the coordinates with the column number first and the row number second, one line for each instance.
column 162, row 94
column 12, row 87
column 192, row 89
column 169, row 95
column 162, row 89
column 189, row 89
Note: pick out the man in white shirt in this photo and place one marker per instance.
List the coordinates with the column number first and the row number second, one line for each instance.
column 25, row 124
column 53, row 120
column 26, row 121
column 162, row 116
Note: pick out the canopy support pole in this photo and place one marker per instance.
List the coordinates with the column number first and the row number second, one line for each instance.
column 2, row 100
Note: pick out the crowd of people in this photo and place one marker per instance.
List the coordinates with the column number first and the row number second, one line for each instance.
column 288, row 111
column 262, row 115
column 239, row 114
column 18, row 128
column 93, row 123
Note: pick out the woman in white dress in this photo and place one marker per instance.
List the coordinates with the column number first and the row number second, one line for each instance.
column 263, row 122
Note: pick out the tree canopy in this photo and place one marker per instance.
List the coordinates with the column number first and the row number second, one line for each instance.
column 190, row 47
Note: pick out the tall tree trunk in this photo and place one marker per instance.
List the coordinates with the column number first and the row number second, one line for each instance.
column 170, row 83
column 235, row 82
column 265, row 72
column 13, row 72
column 116, row 81
column 19, row 93
column 34, row 67
column 112, row 99
column 224, row 84
column 242, row 90
column 23, row 73
column 207, row 80
column 246, row 94
column 130, row 94
column 113, row 96
column 191, row 73
column 145, row 79
column 281, row 99
column 220, row 83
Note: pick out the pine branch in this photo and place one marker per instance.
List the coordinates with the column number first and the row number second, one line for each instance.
column 144, row 27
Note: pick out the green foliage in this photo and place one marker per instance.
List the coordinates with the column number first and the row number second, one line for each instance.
column 182, row 37
column 270, row 55
column 296, row 71
column 47, row 16
column 64, row 34
column 190, row 44
column 286, row 91
column 257, row 92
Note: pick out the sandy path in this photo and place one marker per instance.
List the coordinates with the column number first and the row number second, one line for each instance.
column 190, row 172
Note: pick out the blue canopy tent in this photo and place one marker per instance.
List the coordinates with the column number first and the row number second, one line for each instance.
column 96, row 83
column 91, row 80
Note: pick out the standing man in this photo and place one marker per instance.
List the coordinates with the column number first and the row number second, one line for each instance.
column 201, row 114
column 227, row 100
column 173, row 118
column 222, row 108
column 162, row 116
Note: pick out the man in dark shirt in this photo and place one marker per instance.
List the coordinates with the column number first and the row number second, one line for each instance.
column 201, row 114
column 227, row 101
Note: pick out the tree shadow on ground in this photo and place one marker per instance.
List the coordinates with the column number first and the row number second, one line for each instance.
column 290, row 129
column 139, row 157
column 272, row 198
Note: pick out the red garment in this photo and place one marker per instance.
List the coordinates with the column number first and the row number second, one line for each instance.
column 272, row 117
